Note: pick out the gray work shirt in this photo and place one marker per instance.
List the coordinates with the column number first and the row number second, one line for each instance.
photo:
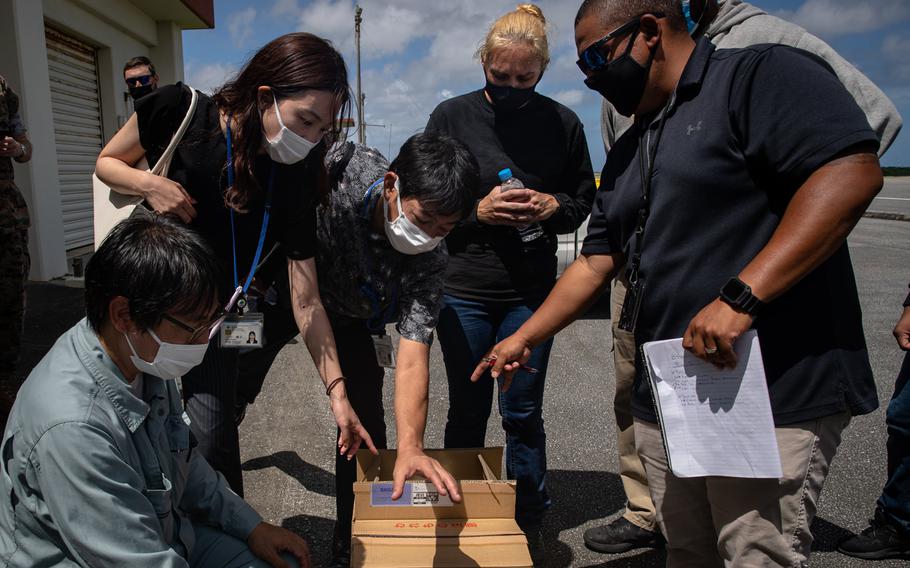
column 96, row 473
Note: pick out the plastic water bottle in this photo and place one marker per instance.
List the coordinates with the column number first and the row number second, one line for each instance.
column 507, row 181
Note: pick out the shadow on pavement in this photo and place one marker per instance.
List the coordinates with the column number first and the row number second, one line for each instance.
column 578, row 497
column 649, row 559
column 318, row 533
column 51, row 310
column 827, row 535
column 312, row 478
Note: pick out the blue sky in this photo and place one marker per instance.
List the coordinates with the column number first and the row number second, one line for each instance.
column 417, row 53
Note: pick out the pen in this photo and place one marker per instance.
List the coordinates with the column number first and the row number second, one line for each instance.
column 525, row 368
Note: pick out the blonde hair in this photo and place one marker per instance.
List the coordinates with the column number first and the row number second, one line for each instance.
column 525, row 24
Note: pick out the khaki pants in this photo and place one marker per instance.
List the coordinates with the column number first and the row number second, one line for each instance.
column 741, row 523
column 639, row 507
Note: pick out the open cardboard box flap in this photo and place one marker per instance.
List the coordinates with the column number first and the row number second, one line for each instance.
column 463, row 464
column 425, row 529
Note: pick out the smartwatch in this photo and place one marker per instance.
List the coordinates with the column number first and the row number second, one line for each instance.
column 739, row 296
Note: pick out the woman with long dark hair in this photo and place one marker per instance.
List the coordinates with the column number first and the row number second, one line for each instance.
column 248, row 175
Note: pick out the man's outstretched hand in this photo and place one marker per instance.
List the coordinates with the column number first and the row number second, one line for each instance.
column 411, row 461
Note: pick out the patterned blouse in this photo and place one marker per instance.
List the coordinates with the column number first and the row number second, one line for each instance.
column 362, row 279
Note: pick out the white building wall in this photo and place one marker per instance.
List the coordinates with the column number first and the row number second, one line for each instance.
column 120, row 31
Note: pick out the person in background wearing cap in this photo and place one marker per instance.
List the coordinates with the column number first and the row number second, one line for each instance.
column 14, row 258
column 728, row 24
column 140, row 76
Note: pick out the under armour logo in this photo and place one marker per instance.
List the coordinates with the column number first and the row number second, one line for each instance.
column 692, row 129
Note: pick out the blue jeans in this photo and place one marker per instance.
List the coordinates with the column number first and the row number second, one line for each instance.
column 467, row 329
column 895, row 499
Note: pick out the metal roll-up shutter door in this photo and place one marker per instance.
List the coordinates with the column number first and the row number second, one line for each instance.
column 76, row 103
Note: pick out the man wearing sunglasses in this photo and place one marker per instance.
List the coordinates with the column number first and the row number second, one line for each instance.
column 140, row 76
column 729, row 203
column 727, row 24
column 98, row 465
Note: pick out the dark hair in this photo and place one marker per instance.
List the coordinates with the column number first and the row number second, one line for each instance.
column 289, row 65
column 138, row 61
column 617, row 12
column 438, row 170
column 159, row 265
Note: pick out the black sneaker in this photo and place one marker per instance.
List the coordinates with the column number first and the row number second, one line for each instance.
column 878, row 541
column 621, row 536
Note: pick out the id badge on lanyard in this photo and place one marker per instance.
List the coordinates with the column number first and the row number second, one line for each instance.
column 385, row 352
column 242, row 332
column 245, row 329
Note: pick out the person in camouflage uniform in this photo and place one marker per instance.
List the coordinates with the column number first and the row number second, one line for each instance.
column 14, row 259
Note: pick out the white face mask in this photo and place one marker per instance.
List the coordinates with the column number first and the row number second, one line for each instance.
column 288, row 147
column 172, row 361
column 405, row 236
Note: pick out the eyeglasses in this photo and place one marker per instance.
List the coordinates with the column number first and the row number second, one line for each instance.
column 195, row 333
column 592, row 59
column 144, row 80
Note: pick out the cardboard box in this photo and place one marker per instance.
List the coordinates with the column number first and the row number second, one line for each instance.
column 424, row 529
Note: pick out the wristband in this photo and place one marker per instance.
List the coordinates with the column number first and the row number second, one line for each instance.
column 907, row 302
column 332, row 385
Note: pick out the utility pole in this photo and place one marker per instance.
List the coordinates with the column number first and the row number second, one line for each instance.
column 361, row 131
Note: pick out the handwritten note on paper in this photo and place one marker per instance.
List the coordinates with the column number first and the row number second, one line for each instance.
column 714, row 421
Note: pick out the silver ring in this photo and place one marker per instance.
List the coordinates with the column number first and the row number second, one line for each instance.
column 710, row 350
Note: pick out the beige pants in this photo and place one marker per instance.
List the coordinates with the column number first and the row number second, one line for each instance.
column 741, row 523
column 639, row 507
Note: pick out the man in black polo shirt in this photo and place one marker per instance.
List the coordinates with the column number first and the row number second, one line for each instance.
column 759, row 164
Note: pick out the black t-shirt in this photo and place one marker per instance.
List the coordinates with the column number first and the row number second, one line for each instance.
column 199, row 165
column 749, row 126
column 544, row 145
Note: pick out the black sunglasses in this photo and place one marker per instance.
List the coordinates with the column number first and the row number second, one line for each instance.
column 195, row 333
column 592, row 59
column 143, row 80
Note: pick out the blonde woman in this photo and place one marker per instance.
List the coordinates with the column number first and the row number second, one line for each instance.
column 503, row 259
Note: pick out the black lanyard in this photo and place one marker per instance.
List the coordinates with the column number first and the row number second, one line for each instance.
column 646, row 179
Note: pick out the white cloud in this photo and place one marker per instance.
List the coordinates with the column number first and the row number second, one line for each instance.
column 285, row 8
column 209, row 77
column 418, row 53
column 570, row 97
column 831, row 18
column 387, row 28
column 333, row 20
column 895, row 49
column 240, row 25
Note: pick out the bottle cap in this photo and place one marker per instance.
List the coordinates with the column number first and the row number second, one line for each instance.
column 505, row 174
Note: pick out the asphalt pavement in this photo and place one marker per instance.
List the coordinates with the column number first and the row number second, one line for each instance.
column 894, row 198
column 288, row 436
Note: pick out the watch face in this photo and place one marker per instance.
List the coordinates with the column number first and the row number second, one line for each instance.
column 733, row 290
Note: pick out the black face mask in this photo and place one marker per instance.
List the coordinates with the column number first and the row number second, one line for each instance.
column 508, row 99
column 140, row 91
column 622, row 81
